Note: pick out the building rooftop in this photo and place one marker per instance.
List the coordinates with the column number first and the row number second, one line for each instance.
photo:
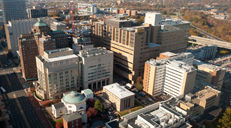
column 206, row 93
column 59, row 105
column 40, row 23
column 199, row 47
column 59, row 58
column 119, row 91
column 170, row 54
column 206, row 65
column 58, row 50
column 94, row 52
column 172, row 21
column 113, row 124
column 181, row 66
column 73, row 97
column 72, row 116
column 152, row 45
column 87, row 91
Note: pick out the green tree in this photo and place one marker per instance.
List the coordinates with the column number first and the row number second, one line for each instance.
column 225, row 121
column 139, row 86
column 31, row 85
column 99, row 106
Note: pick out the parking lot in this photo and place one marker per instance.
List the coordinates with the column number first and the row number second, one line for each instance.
column 224, row 62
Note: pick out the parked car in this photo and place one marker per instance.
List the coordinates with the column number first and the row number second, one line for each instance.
column 142, row 94
column 149, row 99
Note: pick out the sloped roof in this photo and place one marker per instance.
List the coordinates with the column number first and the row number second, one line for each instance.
column 40, row 23
column 71, row 117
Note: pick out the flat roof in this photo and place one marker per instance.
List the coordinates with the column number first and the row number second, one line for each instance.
column 119, row 91
column 61, row 58
column 210, row 66
column 170, row 54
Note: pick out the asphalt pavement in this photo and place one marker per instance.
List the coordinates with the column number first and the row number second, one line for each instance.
column 22, row 113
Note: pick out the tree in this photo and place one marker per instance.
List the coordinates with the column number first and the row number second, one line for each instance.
column 139, row 86
column 91, row 112
column 139, row 80
column 225, row 121
column 31, row 85
column 99, row 106
column 90, row 102
column 59, row 125
column 32, row 89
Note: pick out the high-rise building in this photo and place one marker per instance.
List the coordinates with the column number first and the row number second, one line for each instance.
column 16, row 28
column 210, row 73
column 97, row 68
column 41, row 38
column 131, row 45
column 170, row 75
column 37, row 12
column 59, row 71
column 13, row 10
column 170, row 33
column 85, row 8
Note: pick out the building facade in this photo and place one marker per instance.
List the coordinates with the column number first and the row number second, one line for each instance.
column 85, row 8
column 36, row 12
column 120, row 97
column 14, row 29
column 210, row 73
column 131, row 45
column 45, row 39
column 13, row 10
column 74, row 120
column 97, row 68
column 58, row 26
column 203, row 52
column 58, row 71
column 173, row 75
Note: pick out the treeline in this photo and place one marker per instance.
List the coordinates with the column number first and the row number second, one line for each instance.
column 219, row 28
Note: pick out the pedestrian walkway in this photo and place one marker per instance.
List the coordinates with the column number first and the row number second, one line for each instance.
column 39, row 110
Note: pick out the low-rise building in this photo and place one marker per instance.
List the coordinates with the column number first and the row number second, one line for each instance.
column 59, row 71
column 70, row 103
column 81, row 43
column 73, row 120
column 120, row 97
column 97, row 70
column 203, row 52
column 210, row 73
column 58, row 26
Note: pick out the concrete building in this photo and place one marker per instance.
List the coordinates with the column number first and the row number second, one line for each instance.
column 81, row 43
column 97, row 70
column 16, row 28
column 174, row 76
column 85, row 8
column 203, row 52
column 170, row 33
column 131, row 45
column 196, row 104
column 166, row 116
column 42, row 38
column 37, row 12
column 210, row 73
column 13, row 10
column 133, row 12
column 58, row 71
column 120, row 97
column 58, row 26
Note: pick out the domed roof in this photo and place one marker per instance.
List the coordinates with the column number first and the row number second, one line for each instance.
column 40, row 23
column 73, row 97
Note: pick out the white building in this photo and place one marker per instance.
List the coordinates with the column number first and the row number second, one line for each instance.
column 203, row 52
column 85, row 8
column 58, row 71
column 72, row 102
column 81, row 43
column 58, row 26
column 97, row 68
column 16, row 28
column 167, row 116
column 119, row 96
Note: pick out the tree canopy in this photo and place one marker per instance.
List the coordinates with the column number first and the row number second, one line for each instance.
column 225, row 121
column 99, row 106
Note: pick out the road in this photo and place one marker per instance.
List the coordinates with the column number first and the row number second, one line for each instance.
column 201, row 40
column 23, row 114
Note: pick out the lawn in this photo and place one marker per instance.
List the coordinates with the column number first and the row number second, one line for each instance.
column 137, row 107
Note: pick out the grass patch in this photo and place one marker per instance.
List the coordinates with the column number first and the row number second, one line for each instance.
column 137, row 108
column 224, row 51
column 124, row 113
column 61, row 120
column 137, row 103
column 37, row 96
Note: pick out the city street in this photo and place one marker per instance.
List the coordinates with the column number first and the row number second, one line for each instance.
column 22, row 113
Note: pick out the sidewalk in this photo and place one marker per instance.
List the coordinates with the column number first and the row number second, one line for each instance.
column 39, row 110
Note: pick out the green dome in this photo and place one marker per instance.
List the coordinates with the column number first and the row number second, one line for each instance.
column 73, row 97
column 40, row 23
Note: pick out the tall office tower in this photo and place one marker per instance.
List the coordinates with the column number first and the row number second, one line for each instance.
column 170, row 33
column 97, row 67
column 131, row 45
column 171, row 77
column 59, row 71
column 210, row 73
column 37, row 12
column 45, row 39
column 13, row 10
column 16, row 28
